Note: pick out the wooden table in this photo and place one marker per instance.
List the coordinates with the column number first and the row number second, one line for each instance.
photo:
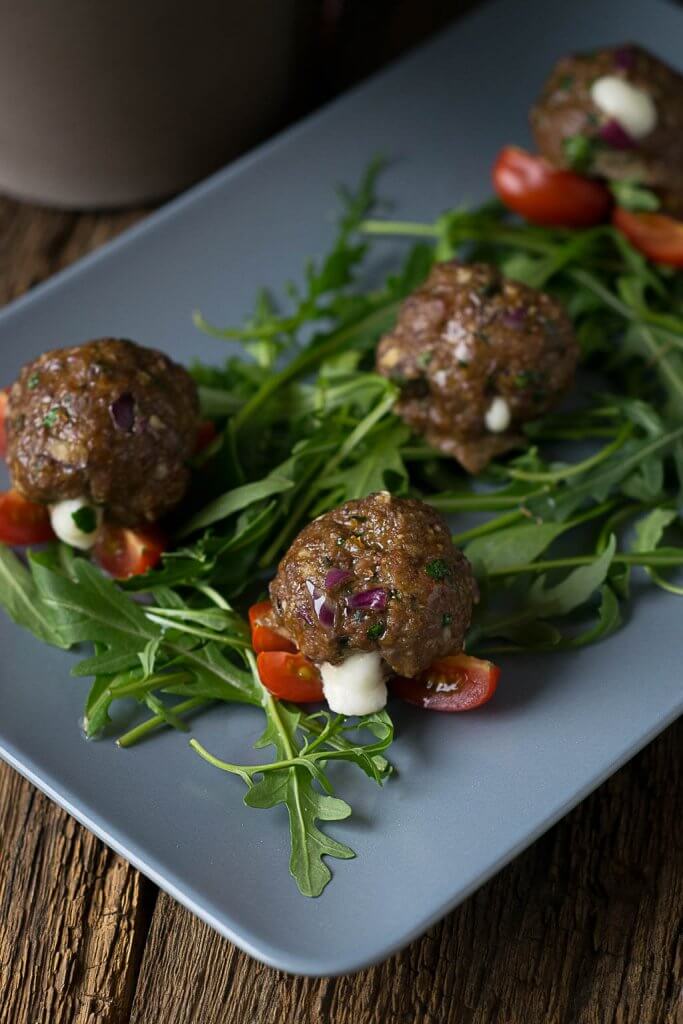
column 583, row 927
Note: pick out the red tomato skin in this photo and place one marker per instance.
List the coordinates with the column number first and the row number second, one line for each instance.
column 258, row 612
column 124, row 552
column 290, row 677
column 657, row 236
column 544, row 195
column 206, row 432
column 4, row 399
column 263, row 636
column 473, row 682
column 22, row 521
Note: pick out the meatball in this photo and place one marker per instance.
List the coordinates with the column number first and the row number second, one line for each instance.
column 616, row 113
column 108, row 421
column 476, row 355
column 378, row 574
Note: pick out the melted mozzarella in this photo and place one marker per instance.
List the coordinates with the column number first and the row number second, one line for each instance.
column 356, row 687
column 631, row 107
column 62, row 519
column 497, row 417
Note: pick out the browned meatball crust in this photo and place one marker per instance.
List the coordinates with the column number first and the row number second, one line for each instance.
column 109, row 421
column 565, row 110
column 377, row 574
column 466, row 337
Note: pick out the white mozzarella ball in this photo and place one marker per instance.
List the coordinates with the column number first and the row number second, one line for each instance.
column 356, row 687
column 69, row 521
column 631, row 107
column 497, row 417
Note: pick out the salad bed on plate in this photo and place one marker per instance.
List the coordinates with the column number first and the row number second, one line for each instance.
column 298, row 424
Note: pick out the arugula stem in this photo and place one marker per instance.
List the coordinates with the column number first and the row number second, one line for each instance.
column 555, row 476
column 644, row 558
column 156, row 722
column 480, row 502
column 313, row 356
column 490, row 526
column 411, row 228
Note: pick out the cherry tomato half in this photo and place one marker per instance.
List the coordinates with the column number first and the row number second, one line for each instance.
column 657, row 236
column 263, row 636
column 124, row 552
column 4, row 398
column 528, row 185
column 23, row 521
column 456, row 683
column 290, row 677
column 206, row 432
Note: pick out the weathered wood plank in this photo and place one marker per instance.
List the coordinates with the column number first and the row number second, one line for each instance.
column 584, row 928
column 73, row 916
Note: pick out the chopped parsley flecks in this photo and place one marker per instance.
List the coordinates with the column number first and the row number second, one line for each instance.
column 424, row 359
column 446, row 619
column 33, row 381
column 50, row 418
column 376, row 631
column 85, row 519
column 526, row 378
column 438, row 569
column 579, row 151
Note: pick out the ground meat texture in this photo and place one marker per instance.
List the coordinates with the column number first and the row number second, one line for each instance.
column 469, row 336
column 109, row 421
column 566, row 112
column 377, row 574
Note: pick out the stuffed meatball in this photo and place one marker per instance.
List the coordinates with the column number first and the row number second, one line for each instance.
column 371, row 587
column 477, row 355
column 616, row 113
column 107, row 426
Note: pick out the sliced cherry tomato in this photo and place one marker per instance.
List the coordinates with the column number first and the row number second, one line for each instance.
column 124, row 552
column 259, row 612
column 22, row 521
column 657, row 236
column 263, row 636
column 290, row 676
column 456, row 683
column 206, row 432
column 528, row 185
column 4, row 397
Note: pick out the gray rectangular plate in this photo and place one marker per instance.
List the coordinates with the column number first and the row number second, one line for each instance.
column 471, row 791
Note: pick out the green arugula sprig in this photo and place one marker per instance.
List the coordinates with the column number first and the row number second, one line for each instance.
column 554, row 532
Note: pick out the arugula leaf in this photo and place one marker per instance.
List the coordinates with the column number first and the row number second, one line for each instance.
column 633, row 196
column 648, row 534
column 234, row 501
column 291, row 777
column 21, row 600
column 510, row 547
column 571, row 592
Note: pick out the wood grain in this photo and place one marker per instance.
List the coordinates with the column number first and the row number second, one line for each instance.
column 73, row 915
column 584, row 928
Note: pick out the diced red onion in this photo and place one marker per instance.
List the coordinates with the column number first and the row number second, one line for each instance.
column 304, row 614
column 324, row 608
column 374, row 600
column 625, row 57
column 122, row 412
column 514, row 318
column 336, row 577
column 614, row 135
column 325, row 612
